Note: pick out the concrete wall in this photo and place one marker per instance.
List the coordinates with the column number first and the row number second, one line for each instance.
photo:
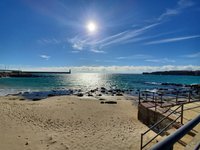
column 150, row 117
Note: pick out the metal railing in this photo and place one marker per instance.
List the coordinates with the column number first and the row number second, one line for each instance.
column 160, row 97
column 169, row 141
column 164, row 129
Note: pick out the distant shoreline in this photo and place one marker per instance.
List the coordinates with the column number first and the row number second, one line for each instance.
column 174, row 72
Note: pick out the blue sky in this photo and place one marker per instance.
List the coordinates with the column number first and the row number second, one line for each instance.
column 131, row 35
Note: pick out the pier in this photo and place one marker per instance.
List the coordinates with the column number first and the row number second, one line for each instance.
column 20, row 73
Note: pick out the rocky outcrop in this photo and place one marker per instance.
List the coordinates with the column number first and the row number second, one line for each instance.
column 175, row 72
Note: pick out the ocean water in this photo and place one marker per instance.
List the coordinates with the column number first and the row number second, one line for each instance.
column 88, row 81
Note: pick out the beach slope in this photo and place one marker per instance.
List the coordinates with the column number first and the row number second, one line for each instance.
column 68, row 122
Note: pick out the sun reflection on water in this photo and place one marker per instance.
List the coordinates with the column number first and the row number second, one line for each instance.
column 90, row 80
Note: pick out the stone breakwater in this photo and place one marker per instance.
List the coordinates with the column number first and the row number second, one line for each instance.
column 102, row 91
column 16, row 74
column 97, row 92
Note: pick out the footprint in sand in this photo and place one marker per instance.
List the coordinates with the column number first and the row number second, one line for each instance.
column 53, row 144
column 57, row 146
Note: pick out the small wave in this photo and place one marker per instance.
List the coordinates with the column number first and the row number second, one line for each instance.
column 4, row 92
column 153, row 83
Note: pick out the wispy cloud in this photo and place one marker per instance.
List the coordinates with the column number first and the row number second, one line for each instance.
column 46, row 57
column 163, row 60
column 169, row 40
column 137, row 56
column 194, row 55
column 97, row 51
column 131, row 35
column 107, row 61
column 86, row 42
column 181, row 5
column 126, row 36
column 49, row 41
column 185, row 3
column 79, row 42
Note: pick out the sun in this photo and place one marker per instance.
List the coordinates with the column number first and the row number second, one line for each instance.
column 91, row 26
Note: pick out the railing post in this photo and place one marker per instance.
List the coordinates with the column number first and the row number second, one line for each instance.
column 153, row 96
column 139, row 96
column 182, row 114
column 189, row 96
column 146, row 96
column 176, row 97
column 161, row 99
column 155, row 105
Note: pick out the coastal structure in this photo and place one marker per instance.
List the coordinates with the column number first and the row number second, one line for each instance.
column 20, row 73
column 164, row 113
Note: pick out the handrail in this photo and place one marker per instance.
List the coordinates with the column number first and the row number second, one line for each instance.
column 180, row 116
column 169, row 141
column 149, row 95
column 162, row 119
column 161, row 131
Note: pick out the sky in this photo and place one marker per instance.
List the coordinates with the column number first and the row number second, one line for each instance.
column 127, row 36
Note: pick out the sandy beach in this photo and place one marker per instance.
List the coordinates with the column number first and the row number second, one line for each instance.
column 69, row 122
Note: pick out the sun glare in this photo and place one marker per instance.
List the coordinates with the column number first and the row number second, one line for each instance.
column 91, row 27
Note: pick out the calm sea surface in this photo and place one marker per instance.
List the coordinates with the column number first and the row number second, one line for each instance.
column 87, row 81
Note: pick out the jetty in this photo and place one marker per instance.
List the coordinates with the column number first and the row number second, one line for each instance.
column 20, row 73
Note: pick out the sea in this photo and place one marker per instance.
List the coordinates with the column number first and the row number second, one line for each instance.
column 89, row 81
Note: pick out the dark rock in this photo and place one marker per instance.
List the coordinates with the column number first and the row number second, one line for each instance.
column 102, row 102
column 89, row 94
column 110, row 91
column 118, row 90
column 36, row 99
column 50, row 95
column 103, row 88
column 119, row 94
column 92, row 91
column 80, row 94
column 110, row 102
column 103, row 91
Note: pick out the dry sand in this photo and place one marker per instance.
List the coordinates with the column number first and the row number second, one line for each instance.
column 68, row 122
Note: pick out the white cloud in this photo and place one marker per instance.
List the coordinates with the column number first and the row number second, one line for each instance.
column 125, row 37
column 169, row 40
column 45, row 57
column 111, row 69
column 97, row 51
column 129, row 36
column 137, row 56
column 181, row 5
column 49, row 41
column 194, row 55
column 91, row 43
column 169, row 12
column 77, row 46
column 185, row 3
column 163, row 60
